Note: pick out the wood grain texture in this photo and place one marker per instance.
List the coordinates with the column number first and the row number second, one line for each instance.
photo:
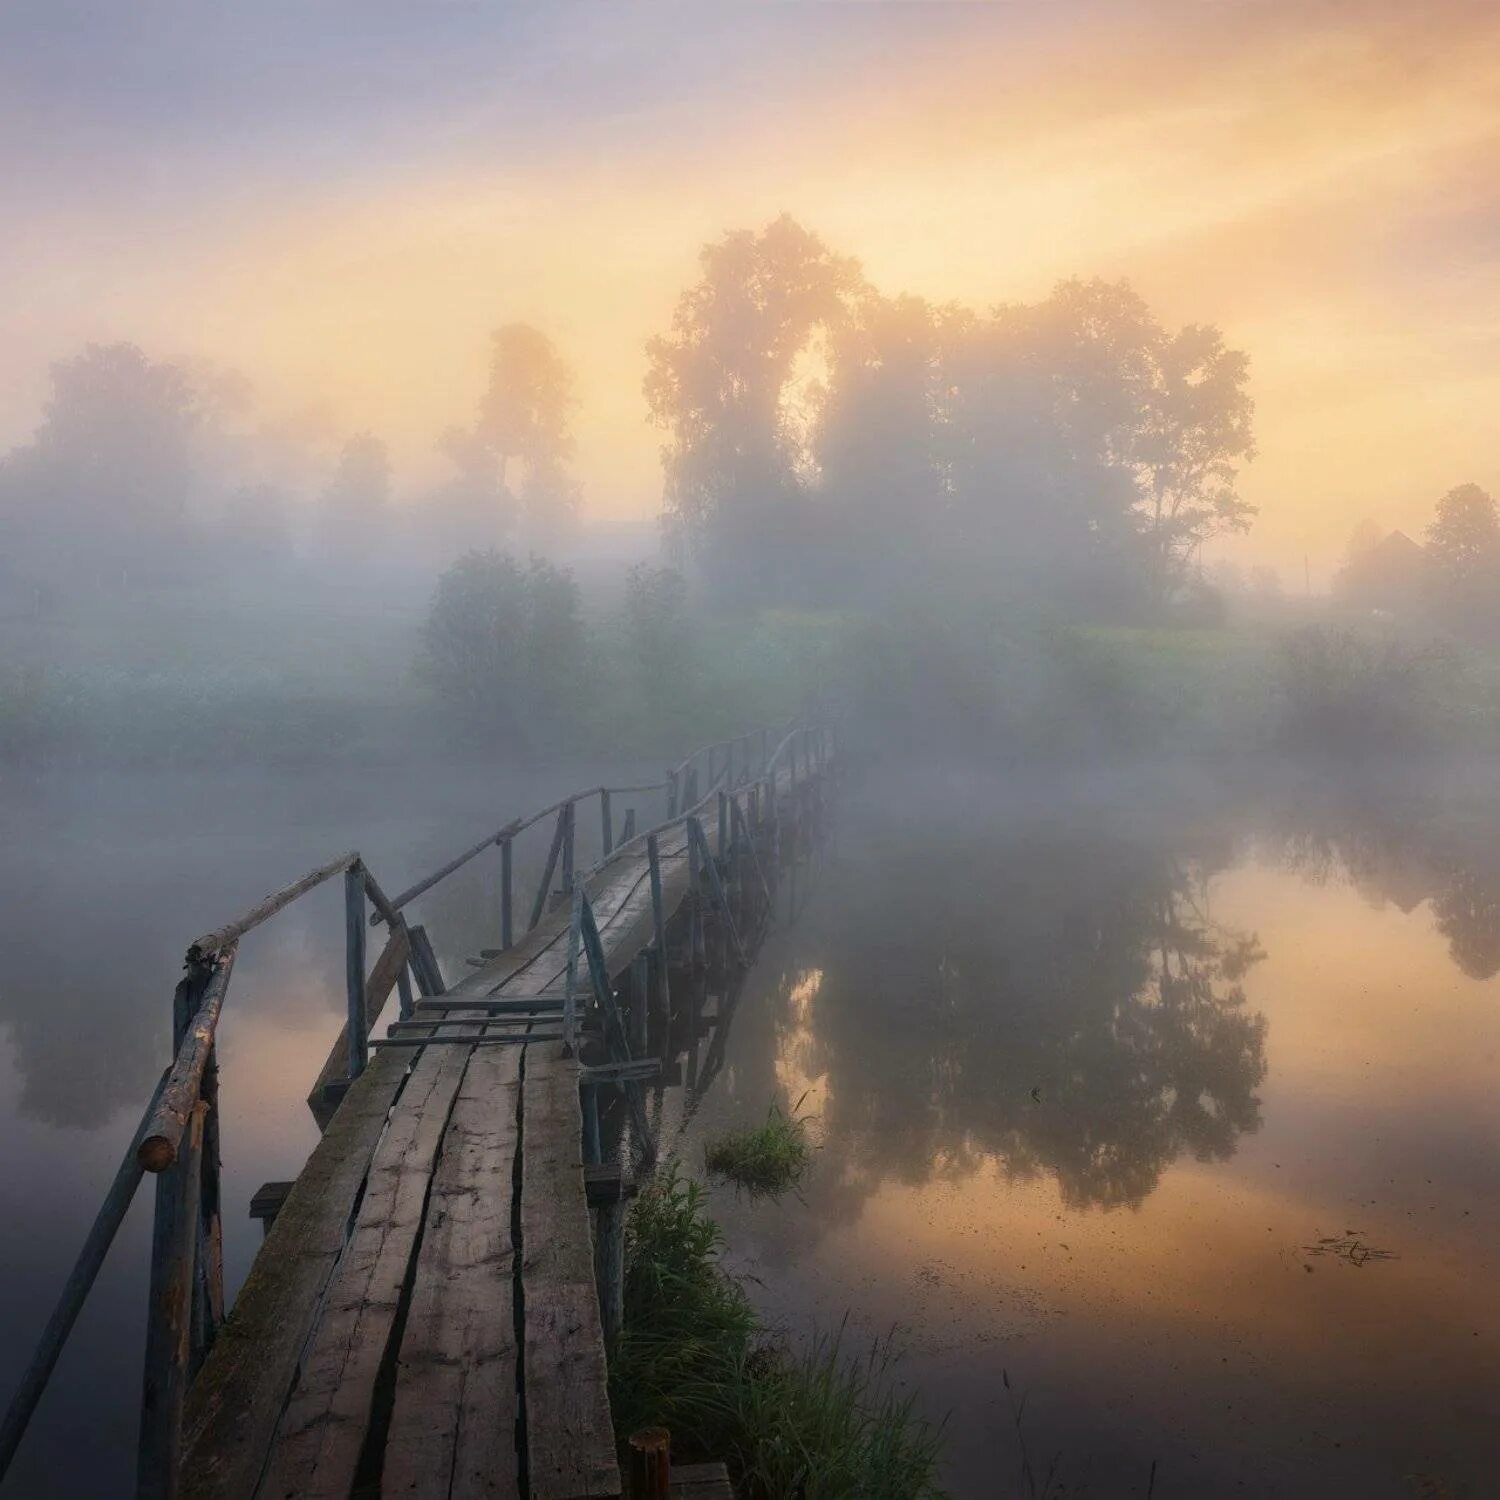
column 453, row 1426
column 323, row 1428
column 234, row 1404
column 569, row 1436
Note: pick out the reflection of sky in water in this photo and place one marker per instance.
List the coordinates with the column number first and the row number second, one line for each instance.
column 107, row 879
column 1086, row 1078
column 1084, row 1092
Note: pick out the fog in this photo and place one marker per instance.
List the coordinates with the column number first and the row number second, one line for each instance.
column 1161, row 848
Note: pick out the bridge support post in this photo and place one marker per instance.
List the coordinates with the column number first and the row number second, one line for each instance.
column 640, row 993
column 695, row 903
column 174, row 1242
column 606, row 822
column 658, row 935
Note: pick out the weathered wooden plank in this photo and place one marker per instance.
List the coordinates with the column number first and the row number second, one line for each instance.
column 452, row 1433
column 569, row 1440
column 323, row 1428
column 234, row 1403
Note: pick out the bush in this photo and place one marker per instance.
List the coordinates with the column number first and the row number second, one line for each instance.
column 504, row 646
column 1350, row 692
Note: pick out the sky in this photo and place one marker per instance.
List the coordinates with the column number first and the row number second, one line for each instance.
column 340, row 200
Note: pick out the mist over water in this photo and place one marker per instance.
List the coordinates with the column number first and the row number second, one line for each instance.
column 411, row 418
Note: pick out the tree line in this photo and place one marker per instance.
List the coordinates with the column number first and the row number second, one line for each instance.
column 144, row 470
column 820, row 433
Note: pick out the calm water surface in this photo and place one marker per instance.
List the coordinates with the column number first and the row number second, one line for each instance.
column 1172, row 1117
column 1173, row 1108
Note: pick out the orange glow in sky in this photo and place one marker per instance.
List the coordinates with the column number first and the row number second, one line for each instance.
column 1319, row 180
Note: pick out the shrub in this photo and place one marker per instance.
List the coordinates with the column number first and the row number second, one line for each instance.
column 765, row 1160
column 1345, row 691
column 694, row 1359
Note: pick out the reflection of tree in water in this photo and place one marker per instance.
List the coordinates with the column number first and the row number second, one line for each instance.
column 1405, row 847
column 1066, row 1005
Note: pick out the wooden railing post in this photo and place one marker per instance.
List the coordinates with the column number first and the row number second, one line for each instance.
column 671, row 794
column 570, row 986
column 174, row 1243
column 723, row 824
column 544, row 888
column 567, row 853
column 627, row 829
column 606, row 822
column 354, row 968
column 507, row 873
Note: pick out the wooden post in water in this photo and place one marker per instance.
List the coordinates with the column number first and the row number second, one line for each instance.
column 174, row 1242
column 627, row 829
column 606, row 822
column 354, row 968
column 695, row 902
column 658, row 935
column 648, row 1462
column 609, row 1267
column 507, row 871
column 640, row 992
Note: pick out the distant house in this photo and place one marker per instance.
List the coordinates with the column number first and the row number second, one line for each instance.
column 1390, row 574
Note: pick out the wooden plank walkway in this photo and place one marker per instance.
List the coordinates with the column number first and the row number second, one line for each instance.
column 422, row 1318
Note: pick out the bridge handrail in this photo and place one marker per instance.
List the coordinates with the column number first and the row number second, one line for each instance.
column 177, row 1138
column 513, row 829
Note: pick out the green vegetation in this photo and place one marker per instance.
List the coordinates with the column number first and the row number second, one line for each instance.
column 765, row 1160
column 694, row 1358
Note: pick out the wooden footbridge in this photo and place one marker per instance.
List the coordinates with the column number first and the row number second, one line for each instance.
column 430, row 1310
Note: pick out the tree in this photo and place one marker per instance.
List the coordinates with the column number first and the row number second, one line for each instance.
column 356, row 498
column 1196, row 430
column 1464, row 537
column 504, row 645
column 656, row 632
column 108, row 475
column 525, row 417
column 472, row 509
column 1463, row 548
column 877, row 439
column 718, row 385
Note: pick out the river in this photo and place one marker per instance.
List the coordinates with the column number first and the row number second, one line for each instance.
column 1156, row 1120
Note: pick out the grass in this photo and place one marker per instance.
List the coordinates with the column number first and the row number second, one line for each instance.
column 764, row 1160
column 693, row 1357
